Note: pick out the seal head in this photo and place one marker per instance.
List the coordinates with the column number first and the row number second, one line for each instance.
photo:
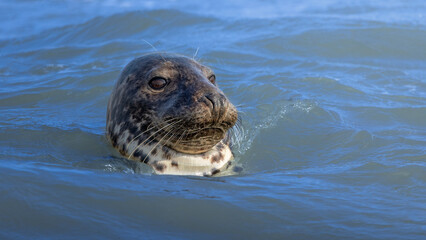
column 166, row 110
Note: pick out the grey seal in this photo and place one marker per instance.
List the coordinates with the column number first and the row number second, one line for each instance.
column 166, row 110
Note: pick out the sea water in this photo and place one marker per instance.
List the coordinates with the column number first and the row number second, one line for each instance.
column 332, row 96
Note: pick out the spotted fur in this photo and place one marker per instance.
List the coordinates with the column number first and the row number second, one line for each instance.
column 181, row 129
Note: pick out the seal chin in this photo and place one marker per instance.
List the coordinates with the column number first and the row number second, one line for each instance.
column 197, row 142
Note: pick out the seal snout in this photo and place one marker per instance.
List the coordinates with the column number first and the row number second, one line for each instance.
column 204, row 119
column 218, row 105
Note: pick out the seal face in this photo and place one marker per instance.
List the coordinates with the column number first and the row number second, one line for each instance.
column 166, row 110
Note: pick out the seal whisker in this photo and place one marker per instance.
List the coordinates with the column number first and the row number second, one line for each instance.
column 168, row 128
column 195, row 54
column 237, row 132
column 240, row 105
column 157, row 145
column 148, row 129
column 155, row 49
column 170, row 124
column 180, row 137
column 141, row 134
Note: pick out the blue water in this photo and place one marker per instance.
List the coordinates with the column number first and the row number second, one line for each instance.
column 332, row 96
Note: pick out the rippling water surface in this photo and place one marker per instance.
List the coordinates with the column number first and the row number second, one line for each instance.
column 332, row 95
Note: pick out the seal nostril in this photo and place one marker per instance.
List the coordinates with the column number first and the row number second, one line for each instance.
column 210, row 98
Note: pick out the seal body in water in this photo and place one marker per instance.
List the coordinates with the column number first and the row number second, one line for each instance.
column 167, row 111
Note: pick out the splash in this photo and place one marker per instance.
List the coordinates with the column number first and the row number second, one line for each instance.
column 245, row 136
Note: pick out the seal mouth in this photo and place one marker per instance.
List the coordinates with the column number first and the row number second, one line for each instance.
column 196, row 141
column 205, row 133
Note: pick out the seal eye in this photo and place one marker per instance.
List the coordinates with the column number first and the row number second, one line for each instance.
column 212, row 79
column 157, row 83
